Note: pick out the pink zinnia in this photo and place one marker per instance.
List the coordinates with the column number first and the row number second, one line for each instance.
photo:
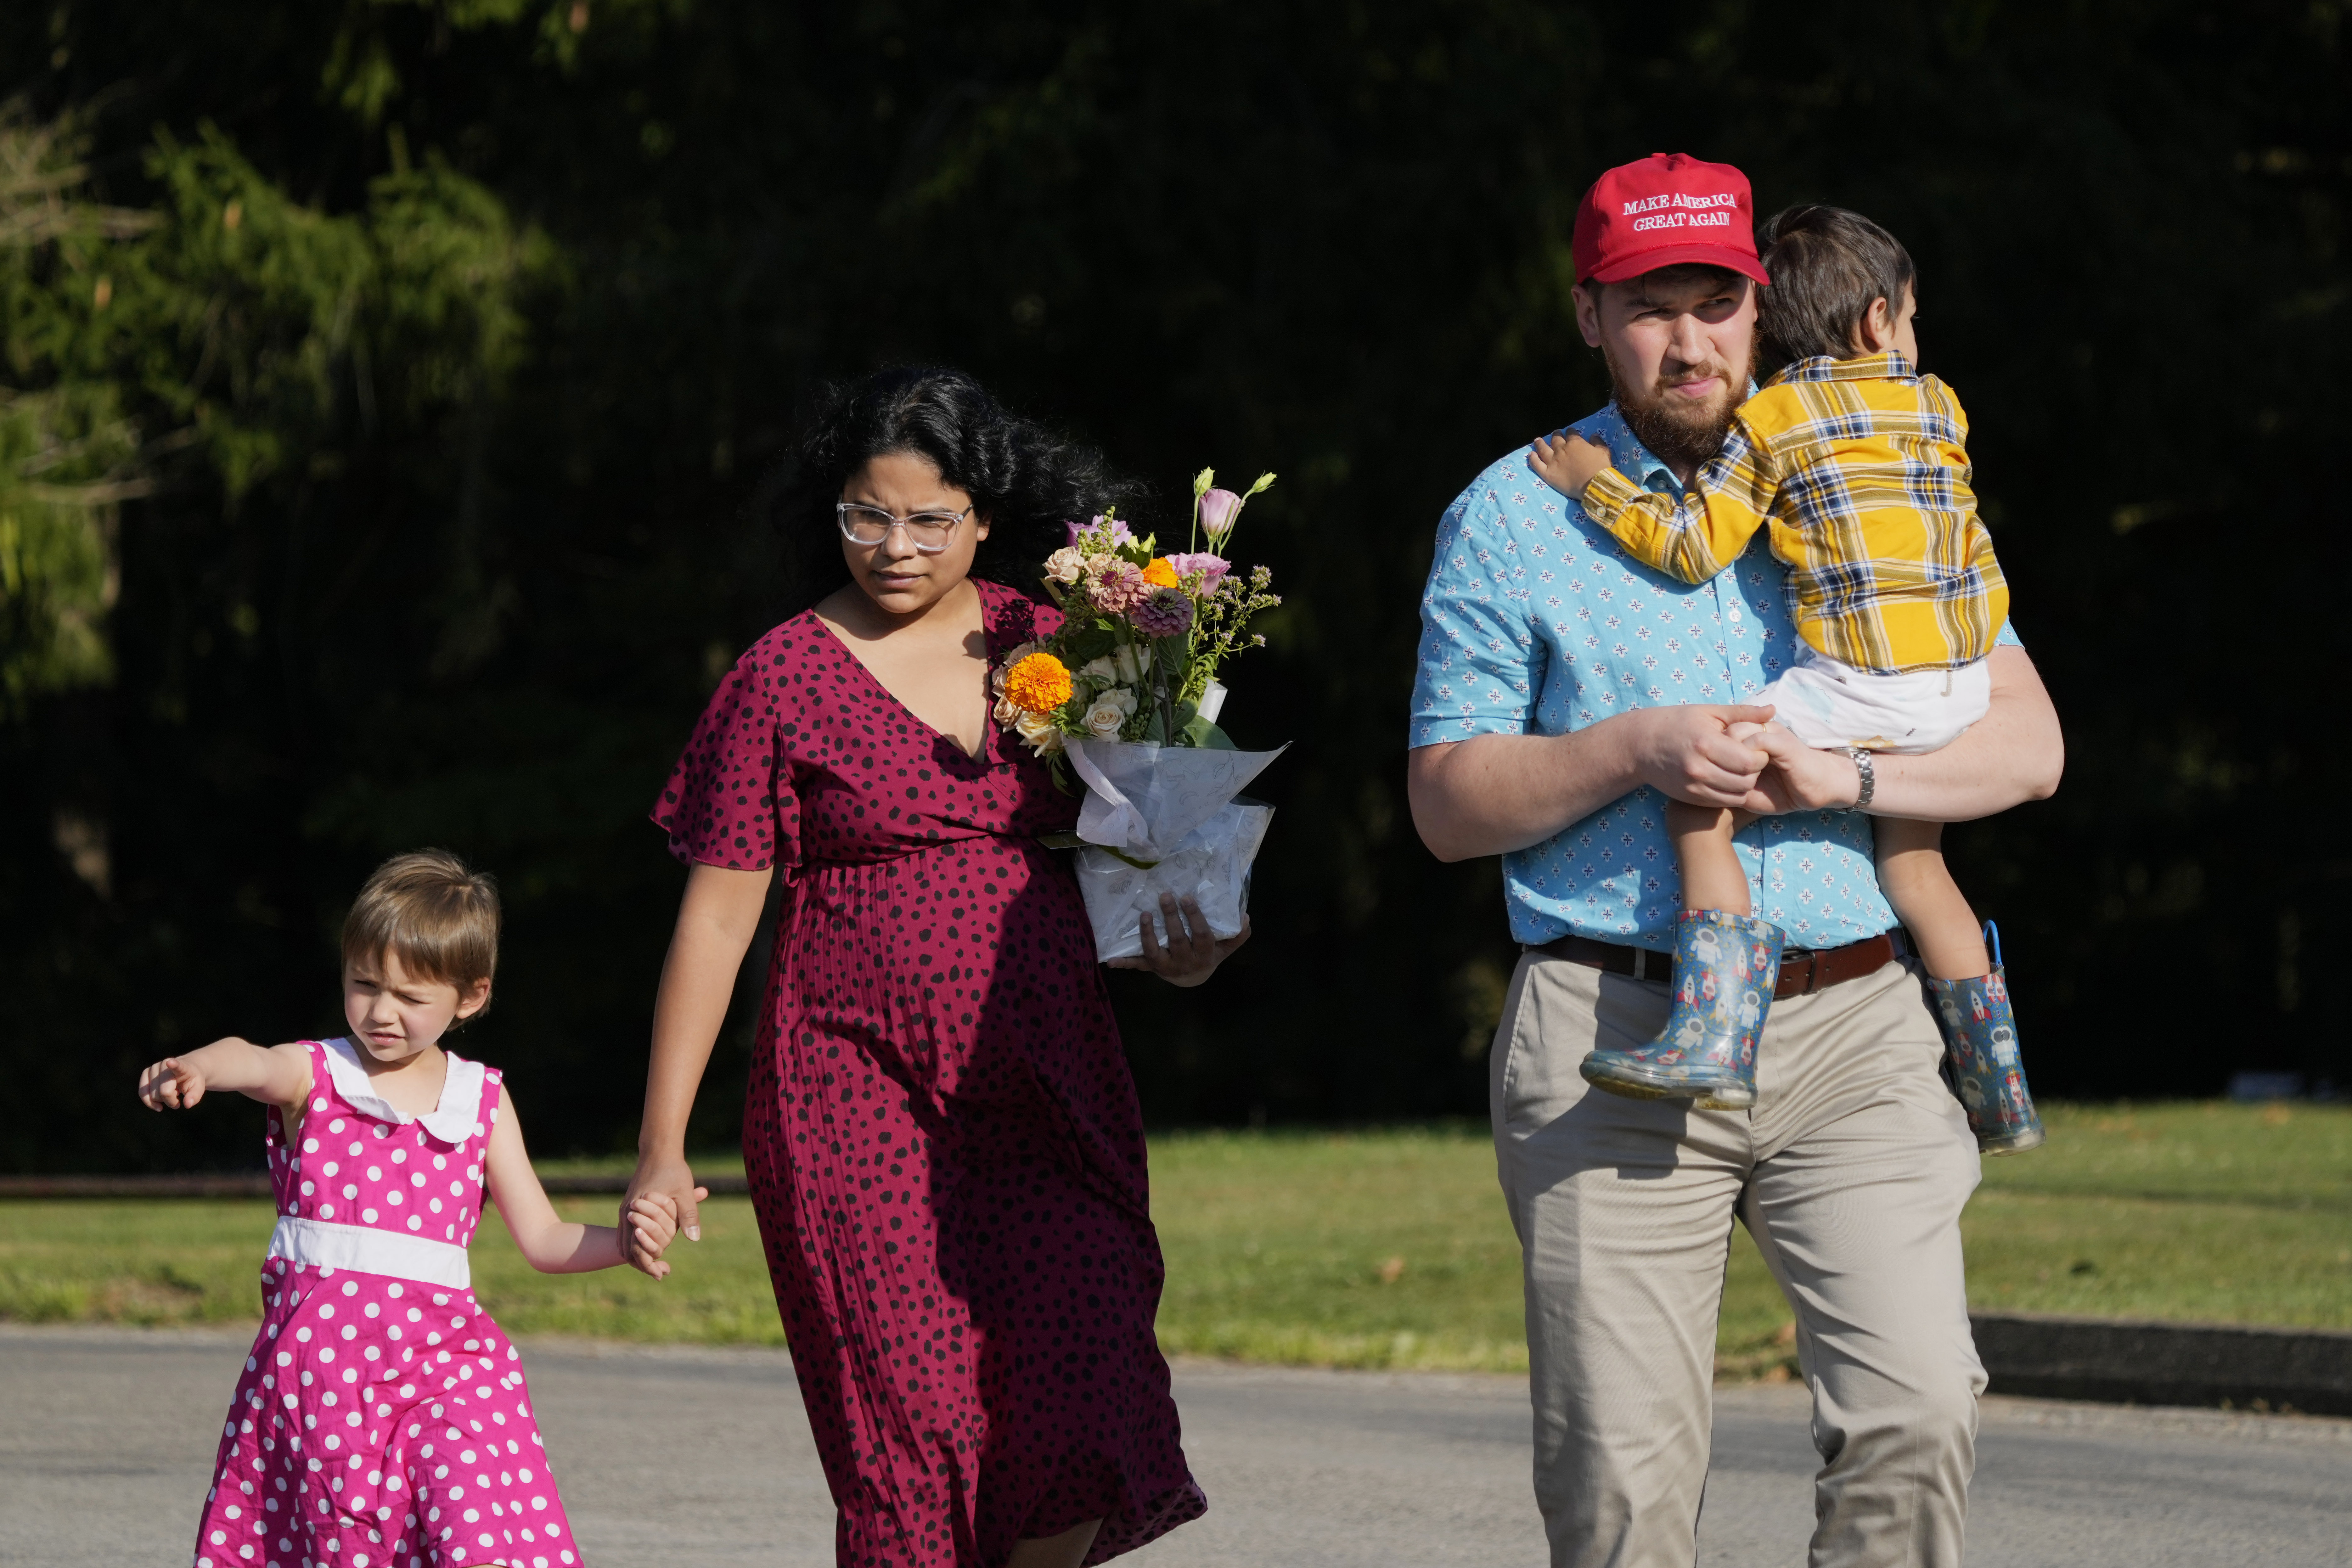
column 1166, row 614
column 1120, row 589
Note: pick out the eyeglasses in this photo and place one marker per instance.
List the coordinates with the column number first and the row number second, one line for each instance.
column 928, row 531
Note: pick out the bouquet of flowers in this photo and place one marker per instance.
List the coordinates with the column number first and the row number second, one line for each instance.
column 1126, row 693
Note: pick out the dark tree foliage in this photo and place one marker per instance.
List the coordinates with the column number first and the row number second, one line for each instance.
column 465, row 581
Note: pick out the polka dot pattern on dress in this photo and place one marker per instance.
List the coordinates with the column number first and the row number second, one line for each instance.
column 381, row 1421
column 942, row 1137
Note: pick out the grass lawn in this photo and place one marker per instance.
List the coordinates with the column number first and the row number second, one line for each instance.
column 1390, row 1248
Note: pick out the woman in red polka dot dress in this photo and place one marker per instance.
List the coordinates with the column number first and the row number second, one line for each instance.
column 942, row 1137
column 383, row 1421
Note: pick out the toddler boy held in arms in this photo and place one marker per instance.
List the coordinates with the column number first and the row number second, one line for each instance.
column 1856, row 465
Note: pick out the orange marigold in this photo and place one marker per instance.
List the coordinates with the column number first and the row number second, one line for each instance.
column 1038, row 684
column 1160, row 573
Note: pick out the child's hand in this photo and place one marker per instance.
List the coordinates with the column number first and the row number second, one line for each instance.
column 175, row 1083
column 1800, row 778
column 651, row 1221
column 279, row 1075
column 1568, row 462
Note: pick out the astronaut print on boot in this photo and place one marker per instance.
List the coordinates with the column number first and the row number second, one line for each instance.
column 1982, row 1061
column 1725, row 968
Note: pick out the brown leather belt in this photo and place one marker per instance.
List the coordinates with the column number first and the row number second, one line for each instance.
column 1802, row 969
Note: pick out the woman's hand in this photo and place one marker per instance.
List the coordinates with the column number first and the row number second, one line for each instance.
column 1191, row 953
column 666, row 1184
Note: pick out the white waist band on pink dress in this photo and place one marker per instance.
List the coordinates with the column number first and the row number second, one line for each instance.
column 324, row 1245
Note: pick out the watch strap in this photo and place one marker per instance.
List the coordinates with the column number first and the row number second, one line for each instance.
column 1861, row 765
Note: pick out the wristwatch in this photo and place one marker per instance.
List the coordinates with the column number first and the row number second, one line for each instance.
column 1869, row 779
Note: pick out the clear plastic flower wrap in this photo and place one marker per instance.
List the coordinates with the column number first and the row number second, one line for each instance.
column 1165, row 820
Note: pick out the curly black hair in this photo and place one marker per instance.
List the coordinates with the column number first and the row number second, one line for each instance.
column 1023, row 478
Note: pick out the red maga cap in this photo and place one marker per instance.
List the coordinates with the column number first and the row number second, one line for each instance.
column 1668, row 209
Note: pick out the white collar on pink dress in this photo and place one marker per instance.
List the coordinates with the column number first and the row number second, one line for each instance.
column 452, row 1120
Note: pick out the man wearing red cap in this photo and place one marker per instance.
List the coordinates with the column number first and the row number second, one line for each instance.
column 1564, row 692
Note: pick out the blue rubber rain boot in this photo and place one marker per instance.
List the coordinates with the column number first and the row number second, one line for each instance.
column 1980, row 1057
column 1725, row 968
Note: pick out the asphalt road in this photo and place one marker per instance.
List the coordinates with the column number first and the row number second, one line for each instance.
column 678, row 1458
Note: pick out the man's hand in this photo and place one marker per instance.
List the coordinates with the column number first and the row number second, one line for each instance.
column 1492, row 794
column 1800, row 777
column 1192, row 952
column 1568, row 462
column 1701, row 755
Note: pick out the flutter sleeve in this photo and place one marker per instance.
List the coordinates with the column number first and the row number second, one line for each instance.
column 730, row 802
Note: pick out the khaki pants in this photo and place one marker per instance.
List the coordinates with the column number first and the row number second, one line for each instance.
column 1849, row 1174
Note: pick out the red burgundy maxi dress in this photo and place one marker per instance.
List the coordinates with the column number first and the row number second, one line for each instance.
column 942, row 1137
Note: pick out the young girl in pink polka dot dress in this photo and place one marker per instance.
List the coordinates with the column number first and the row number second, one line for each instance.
column 382, row 1420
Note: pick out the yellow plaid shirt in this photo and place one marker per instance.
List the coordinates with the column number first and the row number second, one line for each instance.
column 1860, row 468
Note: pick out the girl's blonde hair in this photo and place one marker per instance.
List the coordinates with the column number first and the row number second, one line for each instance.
column 437, row 915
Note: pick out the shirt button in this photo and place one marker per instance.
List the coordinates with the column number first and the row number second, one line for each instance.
column 1734, row 614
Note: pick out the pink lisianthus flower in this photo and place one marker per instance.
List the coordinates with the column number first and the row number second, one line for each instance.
column 1167, row 614
column 1118, row 588
column 1219, row 508
column 1211, row 569
column 1119, row 532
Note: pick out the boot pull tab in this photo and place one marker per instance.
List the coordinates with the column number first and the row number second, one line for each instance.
column 1992, row 938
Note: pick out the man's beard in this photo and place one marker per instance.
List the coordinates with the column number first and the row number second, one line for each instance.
column 1680, row 433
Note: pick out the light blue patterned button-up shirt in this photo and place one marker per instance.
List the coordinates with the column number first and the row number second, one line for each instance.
column 1537, row 622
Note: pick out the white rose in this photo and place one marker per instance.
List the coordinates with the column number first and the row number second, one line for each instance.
column 1006, row 712
column 1130, row 660
column 1066, row 565
column 1099, row 672
column 1038, row 730
column 1104, row 719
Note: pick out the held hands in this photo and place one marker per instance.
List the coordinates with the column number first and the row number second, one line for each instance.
column 648, row 1225
column 1733, row 756
column 1702, row 753
column 662, row 1201
column 1192, row 952
column 1799, row 777
column 1568, row 462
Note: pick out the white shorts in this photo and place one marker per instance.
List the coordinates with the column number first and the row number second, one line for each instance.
column 1831, row 705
